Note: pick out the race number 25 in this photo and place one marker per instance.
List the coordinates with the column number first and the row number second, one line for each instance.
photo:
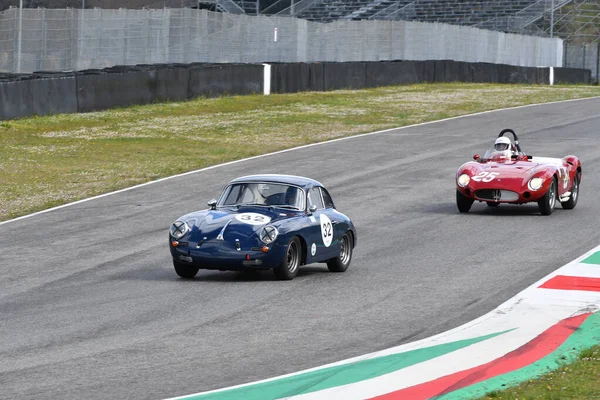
column 485, row 176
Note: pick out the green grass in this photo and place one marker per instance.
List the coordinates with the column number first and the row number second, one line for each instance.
column 52, row 160
column 579, row 380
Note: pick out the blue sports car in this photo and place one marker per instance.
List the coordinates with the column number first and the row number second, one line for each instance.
column 277, row 222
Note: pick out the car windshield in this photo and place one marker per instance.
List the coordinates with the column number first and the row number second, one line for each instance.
column 493, row 154
column 263, row 194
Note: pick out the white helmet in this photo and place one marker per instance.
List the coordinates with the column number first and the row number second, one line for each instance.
column 502, row 144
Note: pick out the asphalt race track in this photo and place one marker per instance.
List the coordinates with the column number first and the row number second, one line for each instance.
column 91, row 307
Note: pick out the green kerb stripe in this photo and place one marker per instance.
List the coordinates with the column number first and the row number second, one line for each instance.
column 593, row 259
column 586, row 336
column 340, row 375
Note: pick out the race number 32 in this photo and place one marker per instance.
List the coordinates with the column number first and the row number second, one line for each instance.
column 485, row 176
column 253, row 218
column 326, row 230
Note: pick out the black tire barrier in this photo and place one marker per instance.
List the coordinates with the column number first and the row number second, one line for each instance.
column 212, row 80
column 344, row 75
column 389, row 73
column 48, row 92
column 572, row 75
column 37, row 96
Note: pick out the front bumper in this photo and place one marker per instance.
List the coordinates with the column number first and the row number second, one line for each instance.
column 221, row 255
column 503, row 194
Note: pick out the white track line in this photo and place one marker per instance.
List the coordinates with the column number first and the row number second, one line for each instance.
column 284, row 151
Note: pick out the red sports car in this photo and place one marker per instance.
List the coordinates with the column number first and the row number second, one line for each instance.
column 505, row 174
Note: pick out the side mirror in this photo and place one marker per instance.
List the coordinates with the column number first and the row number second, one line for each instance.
column 212, row 204
column 476, row 157
column 312, row 208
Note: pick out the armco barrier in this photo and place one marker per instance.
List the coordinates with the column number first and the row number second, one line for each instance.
column 42, row 93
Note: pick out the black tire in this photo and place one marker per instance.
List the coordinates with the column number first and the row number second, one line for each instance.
column 492, row 204
column 463, row 203
column 288, row 269
column 185, row 271
column 342, row 261
column 548, row 202
column 572, row 202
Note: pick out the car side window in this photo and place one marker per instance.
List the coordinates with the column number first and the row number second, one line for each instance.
column 327, row 199
column 314, row 198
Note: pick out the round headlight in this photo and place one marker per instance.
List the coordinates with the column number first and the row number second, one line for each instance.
column 464, row 180
column 179, row 229
column 535, row 183
column 268, row 234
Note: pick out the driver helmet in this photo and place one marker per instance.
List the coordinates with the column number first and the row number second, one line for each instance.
column 504, row 145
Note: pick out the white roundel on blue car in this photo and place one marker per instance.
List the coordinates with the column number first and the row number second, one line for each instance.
column 313, row 249
column 326, row 230
column 253, row 218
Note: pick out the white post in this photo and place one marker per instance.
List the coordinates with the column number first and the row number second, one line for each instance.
column 20, row 35
column 551, row 76
column 267, row 79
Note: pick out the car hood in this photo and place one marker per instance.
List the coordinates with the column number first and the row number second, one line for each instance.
column 510, row 169
column 232, row 223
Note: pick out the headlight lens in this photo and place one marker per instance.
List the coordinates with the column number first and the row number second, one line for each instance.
column 535, row 183
column 464, row 180
column 179, row 229
column 268, row 234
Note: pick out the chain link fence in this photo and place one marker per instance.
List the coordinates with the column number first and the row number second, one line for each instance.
column 76, row 39
column 586, row 56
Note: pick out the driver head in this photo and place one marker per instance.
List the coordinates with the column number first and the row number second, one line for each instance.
column 502, row 144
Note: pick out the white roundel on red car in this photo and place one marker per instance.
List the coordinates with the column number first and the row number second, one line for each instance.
column 326, row 230
column 253, row 218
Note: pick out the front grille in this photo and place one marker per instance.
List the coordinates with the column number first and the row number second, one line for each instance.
column 496, row 195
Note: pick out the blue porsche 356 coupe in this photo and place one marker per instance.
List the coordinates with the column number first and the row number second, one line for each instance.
column 277, row 222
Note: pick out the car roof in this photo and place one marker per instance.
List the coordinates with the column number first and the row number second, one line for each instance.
column 301, row 181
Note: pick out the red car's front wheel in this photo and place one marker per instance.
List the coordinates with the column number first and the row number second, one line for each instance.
column 548, row 202
column 463, row 202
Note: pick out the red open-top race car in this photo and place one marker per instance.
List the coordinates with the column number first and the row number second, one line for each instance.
column 505, row 174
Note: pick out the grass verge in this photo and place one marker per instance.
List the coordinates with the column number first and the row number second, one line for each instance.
column 52, row 160
column 579, row 380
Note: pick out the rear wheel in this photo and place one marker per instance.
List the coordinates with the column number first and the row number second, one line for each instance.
column 342, row 261
column 572, row 202
column 548, row 202
column 288, row 269
column 185, row 271
column 463, row 203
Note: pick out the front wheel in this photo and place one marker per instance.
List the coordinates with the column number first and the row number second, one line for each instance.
column 463, row 203
column 288, row 269
column 548, row 202
column 572, row 202
column 342, row 261
column 185, row 271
